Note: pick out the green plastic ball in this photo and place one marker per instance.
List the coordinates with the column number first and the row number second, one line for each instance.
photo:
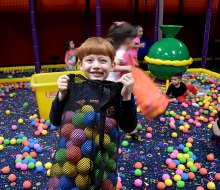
column 26, row 104
column 137, row 172
column 170, row 149
column 28, row 157
column 180, row 184
column 60, row 156
column 139, row 127
column 190, row 160
column 182, row 160
column 124, row 143
column 77, row 120
column 111, row 165
column 98, row 158
column 31, row 165
column 190, row 153
column 193, row 169
column 186, row 149
column 167, row 113
column 6, row 141
column 112, row 149
column 24, row 138
column 18, row 160
column 18, row 141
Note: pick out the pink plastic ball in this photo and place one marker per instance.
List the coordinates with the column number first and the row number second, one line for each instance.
column 40, row 128
column 198, row 124
column 6, row 90
column 14, row 127
column 3, row 94
column 119, row 179
column 138, row 182
column 36, row 145
column 175, row 151
column 190, row 120
column 23, row 166
column 179, row 171
column 119, row 151
column 168, row 160
column 212, row 122
column 19, row 156
column 172, row 155
column 197, row 113
column 165, row 176
column 162, row 119
column 185, row 106
column 173, row 126
column 172, row 119
column 149, row 135
column 69, row 143
column 42, row 121
column 18, row 165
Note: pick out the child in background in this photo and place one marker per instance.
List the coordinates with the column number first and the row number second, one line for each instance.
column 121, row 34
column 180, row 91
column 70, row 56
column 96, row 56
column 133, row 51
column 216, row 129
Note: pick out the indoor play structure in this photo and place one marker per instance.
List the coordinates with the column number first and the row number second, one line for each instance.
column 176, row 150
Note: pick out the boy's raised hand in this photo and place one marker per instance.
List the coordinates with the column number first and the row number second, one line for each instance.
column 128, row 81
column 62, row 83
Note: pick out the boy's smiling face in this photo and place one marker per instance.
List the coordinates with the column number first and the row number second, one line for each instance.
column 96, row 67
column 175, row 81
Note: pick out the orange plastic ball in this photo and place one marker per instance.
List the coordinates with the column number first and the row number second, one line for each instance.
column 149, row 129
column 45, row 127
column 177, row 117
column 190, row 139
column 200, row 188
column 198, row 165
column 191, row 175
column 171, row 165
column 12, row 177
column 217, row 176
column 138, row 165
column 0, row 99
column 205, row 120
column 187, row 117
column 203, row 171
column 119, row 185
column 185, row 130
column 37, row 133
column 25, row 154
column 27, row 184
column 161, row 186
column 33, row 154
column 210, row 157
column 5, row 170
column 201, row 111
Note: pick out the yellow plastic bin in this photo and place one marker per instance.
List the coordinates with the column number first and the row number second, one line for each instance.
column 45, row 85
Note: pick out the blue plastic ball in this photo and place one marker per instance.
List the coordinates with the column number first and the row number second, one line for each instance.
column 114, row 134
column 62, row 143
column 176, row 101
column 39, row 168
column 52, row 127
column 88, row 148
column 176, row 162
column 66, row 183
column 181, row 122
column 35, row 141
column 26, row 149
column 184, row 176
column 39, row 149
column 33, row 123
column 31, row 145
column 25, row 161
column 193, row 157
column 181, row 147
column 31, row 140
column 75, row 188
column 89, row 119
column 32, row 160
column 20, row 136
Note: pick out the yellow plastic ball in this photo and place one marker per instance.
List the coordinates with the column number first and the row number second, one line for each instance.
column 197, row 99
column 1, row 147
column 44, row 132
column 189, row 145
column 200, row 104
column 2, row 139
column 82, row 181
column 20, row 121
column 107, row 140
column 171, row 123
column 48, row 172
column 187, row 126
column 168, row 182
column 7, row 112
column 31, row 117
column 41, row 125
column 48, row 165
column 210, row 126
column 211, row 185
column 186, row 156
column 212, row 104
column 184, row 113
column 56, row 170
column 38, row 163
column 13, row 141
column 201, row 118
column 179, row 155
column 182, row 118
column 181, row 167
column 171, row 112
column 174, row 134
column 189, row 164
column 215, row 111
column 11, row 95
column 69, row 169
column 87, row 108
column 35, row 116
column 177, row 177
column 91, row 133
column 181, row 128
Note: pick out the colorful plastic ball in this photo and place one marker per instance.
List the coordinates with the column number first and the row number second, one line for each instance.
column 7, row 112
column 170, row 149
column 1, row 147
column 138, row 183
column 180, row 184
column 6, row 141
column 39, row 168
column 24, row 167
column 176, row 162
column 210, row 157
column 181, row 147
column 88, row 148
column 82, row 181
column 179, row 171
column 70, row 169
column 12, row 177
column 161, row 186
column 31, row 165
column 168, row 182
column 182, row 160
column 138, row 172
column 189, row 164
column 165, row 176
column 193, row 157
column 14, row 127
column 38, row 163
column 39, row 149
column 73, row 154
column 137, row 165
column 5, row 170
column 89, row 119
column 184, row 176
column 26, row 149
column 48, row 165
column 193, row 168
column 44, row 132
column 200, row 188
column 60, row 156
column 149, row 129
column 186, row 149
column 27, row 184
column 149, row 135
column 13, row 141
column 78, row 137
column 174, row 134
column 182, row 167
column 168, row 160
column 203, row 171
column 125, row 143
column 211, row 185
column 171, row 165
column 173, row 155
column 77, row 120
column 177, row 177
column 67, row 130
column 20, row 121
column 191, row 175
column 189, row 145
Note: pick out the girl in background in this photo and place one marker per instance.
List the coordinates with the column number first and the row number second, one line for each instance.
column 70, row 56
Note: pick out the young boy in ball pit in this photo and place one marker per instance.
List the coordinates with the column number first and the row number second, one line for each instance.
column 180, row 91
column 96, row 60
